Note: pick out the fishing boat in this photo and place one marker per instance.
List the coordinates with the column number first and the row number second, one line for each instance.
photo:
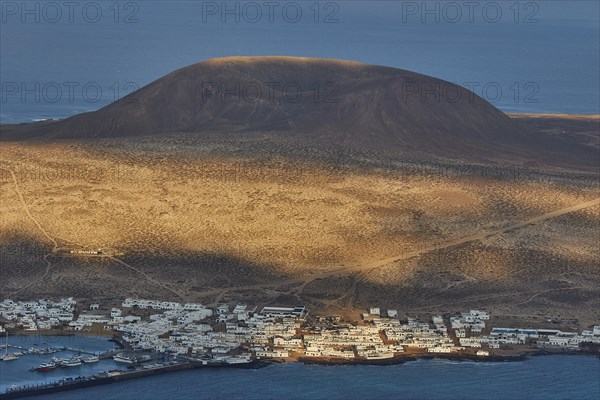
column 90, row 359
column 45, row 367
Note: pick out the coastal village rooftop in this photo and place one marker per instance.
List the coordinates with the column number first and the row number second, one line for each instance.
column 196, row 331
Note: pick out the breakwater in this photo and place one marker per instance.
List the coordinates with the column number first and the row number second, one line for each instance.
column 113, row 377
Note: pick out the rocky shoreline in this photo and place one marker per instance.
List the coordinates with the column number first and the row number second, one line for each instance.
column 450, row 357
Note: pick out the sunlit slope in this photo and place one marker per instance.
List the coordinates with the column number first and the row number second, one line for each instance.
column 201, row 224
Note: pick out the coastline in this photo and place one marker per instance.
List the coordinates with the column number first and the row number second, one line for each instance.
column 402, row 359
column 589, row 117
column 83, row 382
column 144, row 371
column 315, row 342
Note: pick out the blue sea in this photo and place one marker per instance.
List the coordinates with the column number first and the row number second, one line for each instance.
column 540, row 377
column 543, row 378
column 59, row 59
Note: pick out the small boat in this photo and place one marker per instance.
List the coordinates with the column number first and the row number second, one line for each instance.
column 90, row 359
column 72, row 362
column 238, row 359
column 45, row 367
column 9, row 357
column 123, row 358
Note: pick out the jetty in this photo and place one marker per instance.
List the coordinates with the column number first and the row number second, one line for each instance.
column 106, row 377
column 23, row 351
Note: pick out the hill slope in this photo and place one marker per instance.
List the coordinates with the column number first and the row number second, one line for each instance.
column 345, row 100
column 325, row 101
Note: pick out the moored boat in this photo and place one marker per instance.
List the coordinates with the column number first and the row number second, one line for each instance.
column 90, row 359
column 45, row 367
column 9, row 357
column 123, row 358
column 71, row 362
column 243, row 359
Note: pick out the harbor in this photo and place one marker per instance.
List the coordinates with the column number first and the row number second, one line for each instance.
column 145, row 337
column 78, row 361
column 113, row 376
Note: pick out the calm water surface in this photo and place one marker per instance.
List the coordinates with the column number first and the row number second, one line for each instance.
column 544, row 378
column 548, row 64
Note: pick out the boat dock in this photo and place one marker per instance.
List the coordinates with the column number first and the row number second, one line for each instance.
column 50, row 350
column 107, row 377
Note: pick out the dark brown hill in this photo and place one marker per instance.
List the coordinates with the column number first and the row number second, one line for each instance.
column 340, row 102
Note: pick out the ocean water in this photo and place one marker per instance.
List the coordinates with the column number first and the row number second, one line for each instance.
column 542, row 377
column 537, row 56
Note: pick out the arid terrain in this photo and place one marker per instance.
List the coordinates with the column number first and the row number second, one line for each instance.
column 338, row 230
column 374, row 199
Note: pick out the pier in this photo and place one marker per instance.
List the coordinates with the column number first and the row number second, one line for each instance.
column 107, row 377
column 50, row 350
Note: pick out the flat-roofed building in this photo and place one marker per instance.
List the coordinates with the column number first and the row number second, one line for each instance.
column 297, row 311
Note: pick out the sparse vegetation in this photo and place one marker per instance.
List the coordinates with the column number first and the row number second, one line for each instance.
column 294, row 224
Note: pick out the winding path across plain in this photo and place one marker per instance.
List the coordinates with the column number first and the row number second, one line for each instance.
column 363, row 269
column 366, row 269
